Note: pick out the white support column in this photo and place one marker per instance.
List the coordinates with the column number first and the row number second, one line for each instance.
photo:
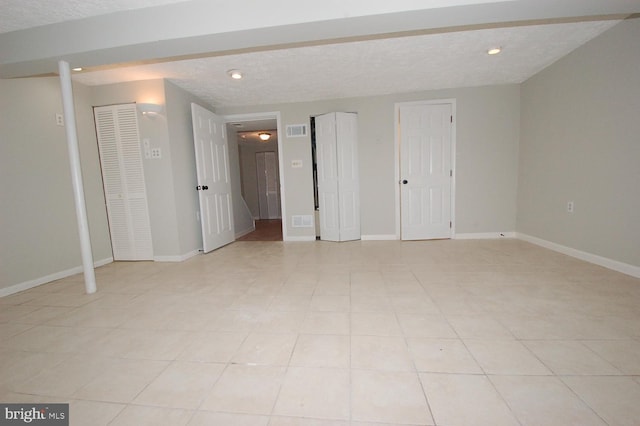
column 76, row 176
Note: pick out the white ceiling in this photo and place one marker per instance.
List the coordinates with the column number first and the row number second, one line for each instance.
column 328, row 71
column 367, row 68
column 22, row 14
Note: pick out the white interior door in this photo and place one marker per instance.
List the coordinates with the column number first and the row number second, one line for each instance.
column 338, row 181
column 124, row 183
column 214, row 185
column 425, row 171
column 268, row 185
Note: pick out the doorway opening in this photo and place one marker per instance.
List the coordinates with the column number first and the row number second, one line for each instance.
column 260, row 159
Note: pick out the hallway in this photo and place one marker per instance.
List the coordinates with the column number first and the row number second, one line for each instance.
column 266, row 230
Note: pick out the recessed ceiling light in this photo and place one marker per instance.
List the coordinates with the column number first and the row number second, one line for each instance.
column 77, row 69
column 494, row 51
column 235, row 74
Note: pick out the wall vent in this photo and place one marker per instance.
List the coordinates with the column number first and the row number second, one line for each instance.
column 302, row 221
column 296, row 130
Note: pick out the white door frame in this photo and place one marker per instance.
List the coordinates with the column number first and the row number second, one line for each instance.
column 235, row 118
column 396, row 120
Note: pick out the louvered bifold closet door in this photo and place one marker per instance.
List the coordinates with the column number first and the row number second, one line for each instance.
column 123, row 179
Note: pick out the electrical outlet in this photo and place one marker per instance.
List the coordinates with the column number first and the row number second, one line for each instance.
column 59, row 119
column 570, row 207
column 156, row 153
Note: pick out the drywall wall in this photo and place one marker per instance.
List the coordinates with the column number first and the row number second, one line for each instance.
column 183, row 165
column 580, row 143
column 38, row 228
column 242, row 218
column 487, row 127
column 158, row 173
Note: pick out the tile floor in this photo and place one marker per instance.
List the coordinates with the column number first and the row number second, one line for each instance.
column 361, row 333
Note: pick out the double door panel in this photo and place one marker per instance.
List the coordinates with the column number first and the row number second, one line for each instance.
column 338, row 177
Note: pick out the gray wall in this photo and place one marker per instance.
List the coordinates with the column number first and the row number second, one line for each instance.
column 487, row 157
column 183, row 162
column 170, row 180
column 242, row 219
column 158, row 173
column 580, row 142
column 38, row 230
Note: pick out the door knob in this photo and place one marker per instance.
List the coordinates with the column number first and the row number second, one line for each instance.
column 205, row 187
column 404, row 181
column 198, row 188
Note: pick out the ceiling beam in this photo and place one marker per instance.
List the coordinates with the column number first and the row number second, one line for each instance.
column 206, row 28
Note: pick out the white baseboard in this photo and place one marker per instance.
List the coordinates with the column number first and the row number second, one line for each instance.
column 245, row 232
column 379, row 237
column 484, row 235
column 48, row 278
column 615, row 265
column 180, row 258
column 306, row 238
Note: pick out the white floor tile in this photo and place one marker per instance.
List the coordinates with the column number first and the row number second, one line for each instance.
column 315, row 334
column 457, row 399
column 314, row 392
column 442, row 356
column 181, row 385
column 137, row 415
column 614, row 399
column 315, row 350
column 544, row 400
column 505, row 357
column 389, row 397
column 245, row 389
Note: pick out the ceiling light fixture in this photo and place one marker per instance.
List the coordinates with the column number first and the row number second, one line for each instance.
column 264, row 136
column 494, row 51
column 235, row 74
column 77, row 69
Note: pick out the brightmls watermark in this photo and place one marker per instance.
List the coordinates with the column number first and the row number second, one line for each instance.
column 34, row 414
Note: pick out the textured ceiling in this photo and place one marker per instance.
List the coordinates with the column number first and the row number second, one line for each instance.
column 366, row 68
column 21, row 14
column 327, row 71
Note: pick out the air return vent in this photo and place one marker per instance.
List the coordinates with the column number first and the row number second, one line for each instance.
column 296, row 130
column 302, row 221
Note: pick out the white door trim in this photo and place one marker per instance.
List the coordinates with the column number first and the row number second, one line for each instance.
column 396, row 121
column 269, row 116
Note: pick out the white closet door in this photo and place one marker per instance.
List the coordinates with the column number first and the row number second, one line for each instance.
column 123, row 180
column 348, row 177
column 327, row 159
column 338, row 181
